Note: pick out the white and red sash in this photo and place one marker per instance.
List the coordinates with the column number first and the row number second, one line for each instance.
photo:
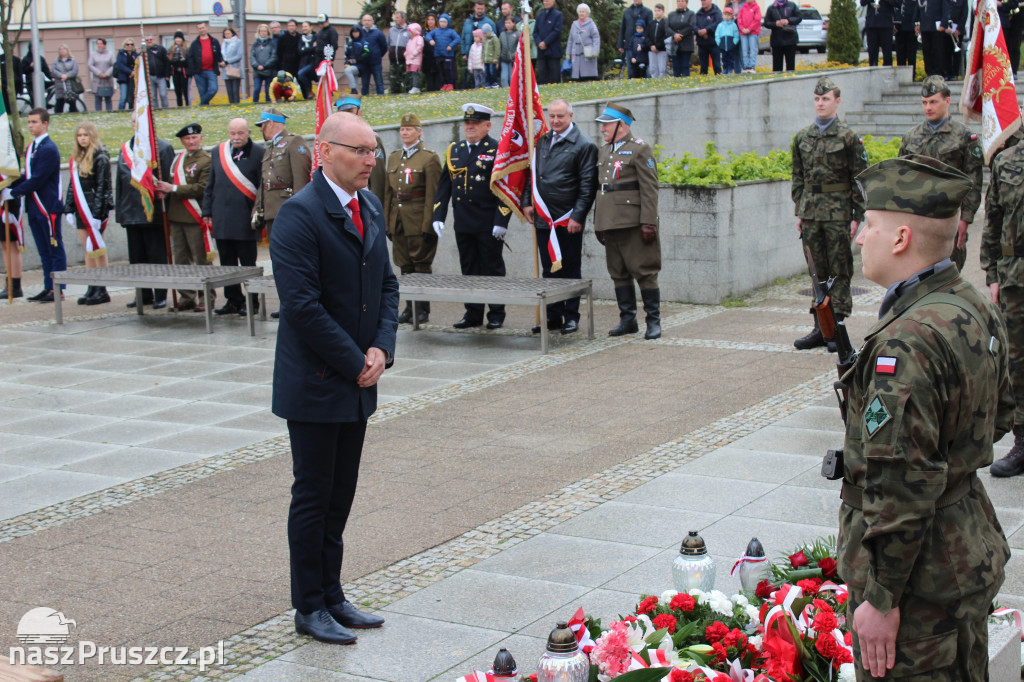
column 52, row 217
column 192, row 206
column 12, row 224
column 241, row 183
column 95, row 247
column 554, row 248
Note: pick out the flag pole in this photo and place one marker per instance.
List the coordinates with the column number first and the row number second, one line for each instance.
column 156, row 156
column 528, row 83
column 8, row 256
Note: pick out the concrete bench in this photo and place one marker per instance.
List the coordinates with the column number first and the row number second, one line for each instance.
column 157, row 276
column 508, row 290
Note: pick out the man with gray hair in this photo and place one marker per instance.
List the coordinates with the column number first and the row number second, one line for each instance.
column 398, row 38
column 566, row 173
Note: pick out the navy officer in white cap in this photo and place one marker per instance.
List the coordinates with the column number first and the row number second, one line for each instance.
column 480, row 219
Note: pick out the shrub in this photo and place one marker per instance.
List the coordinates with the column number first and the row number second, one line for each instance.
column 843, row 33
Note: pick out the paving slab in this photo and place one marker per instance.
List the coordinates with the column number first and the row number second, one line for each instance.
column 634, row 523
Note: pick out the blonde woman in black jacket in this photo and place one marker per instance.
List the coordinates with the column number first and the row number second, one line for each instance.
column 88, row 201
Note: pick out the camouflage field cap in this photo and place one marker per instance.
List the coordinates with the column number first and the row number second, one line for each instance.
column 410, row 121
column 914, row 184
column 825, row 85
column 934, row 85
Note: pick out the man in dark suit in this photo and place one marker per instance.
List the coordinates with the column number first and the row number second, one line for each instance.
column 566, row 169
column 339, row 318
column 481, row 221
column 40, row 185
column 228, row 202
column 547, row 33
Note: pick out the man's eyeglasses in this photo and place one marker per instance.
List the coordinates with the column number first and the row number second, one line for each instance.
column 361, row 152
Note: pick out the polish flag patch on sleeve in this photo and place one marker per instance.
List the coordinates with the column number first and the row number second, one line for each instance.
column 885, row 365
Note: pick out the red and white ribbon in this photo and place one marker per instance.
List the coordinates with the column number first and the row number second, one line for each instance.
column 617, row 169
column 192, row 206
column 12, row 224
column 1017, row 618
column 554, row 248
column 747, row 560
column 95, row 247
column 408, row 176
column 241, row 183
column 578, row 626
column 52, row 217
column 477, row 676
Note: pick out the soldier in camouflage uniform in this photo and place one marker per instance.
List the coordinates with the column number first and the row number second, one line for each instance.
column 919, row 543
column 827, row 156
column 1002, row 259
column 354, row 105
column 413, row 174
column 626, row 219
column 951, row 142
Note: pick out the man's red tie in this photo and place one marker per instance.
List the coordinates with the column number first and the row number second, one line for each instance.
column 356, row 218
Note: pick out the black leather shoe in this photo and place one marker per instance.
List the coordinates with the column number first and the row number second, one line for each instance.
column 130, row 304
column 1013, row 463
column 86, row 296
column 42, row 296
column 157, row 305
column 570, row 327
column 406, row 316
column 17, row 293
column 321, row 626
column 552, row 326
column 99, row 296
column 228, row 308
column 493, row 324
column 466, row 323
column 351, row 617
column 276, row 314
column 422, row 317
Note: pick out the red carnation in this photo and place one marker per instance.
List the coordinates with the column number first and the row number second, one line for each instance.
column 843, row 655
column 715, row 632
column 825, row 621
column 682, row 602
column 828, row 567
column 827, row 645
column 809, row 586
column 764, row 589
column 735, row 638
column 797, row 560
column 678, row 675
column 629, row 619
column 647, row 605
column 665, row 621
column 848, row 638
column 841, row 597
column 720, row 653
column 765, row 607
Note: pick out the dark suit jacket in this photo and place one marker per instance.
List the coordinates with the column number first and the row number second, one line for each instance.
column 548, row 30
column 476, row 207
column 230, row 209
column 45, row 180
column 566, row 176
column 339, row 298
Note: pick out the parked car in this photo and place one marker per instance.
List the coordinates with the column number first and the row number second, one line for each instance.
column 812, row 32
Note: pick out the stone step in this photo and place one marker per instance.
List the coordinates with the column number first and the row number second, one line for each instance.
column 889, row 120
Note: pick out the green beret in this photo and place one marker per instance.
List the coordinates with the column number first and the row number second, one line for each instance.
column 934, row 85
column 825, row 85
column 914, row 184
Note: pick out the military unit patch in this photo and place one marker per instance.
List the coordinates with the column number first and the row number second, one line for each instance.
column 876, row 416
column 650, row 163
column 885, row 365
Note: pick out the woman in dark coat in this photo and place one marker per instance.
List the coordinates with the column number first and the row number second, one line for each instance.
column 124, row 72
column 92, row 168
column 781, row 17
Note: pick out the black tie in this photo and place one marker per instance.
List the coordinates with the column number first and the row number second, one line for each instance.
column 33, row 152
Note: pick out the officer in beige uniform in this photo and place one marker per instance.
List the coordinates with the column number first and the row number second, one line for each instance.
column 287, row 165
column 189, row 173
column 626, row 219
column 354, row 105
column 412, row 176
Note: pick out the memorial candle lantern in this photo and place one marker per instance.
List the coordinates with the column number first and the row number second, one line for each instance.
column 693, row 568
column 751, row 566
column 562, row 661
column 505, row 668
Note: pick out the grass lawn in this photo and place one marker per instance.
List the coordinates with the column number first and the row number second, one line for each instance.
column 115, row 127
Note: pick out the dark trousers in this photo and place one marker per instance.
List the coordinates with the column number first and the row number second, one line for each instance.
column 305, row 79
column 638, row 70
column 549, row 70
column 480, row 254
column 572, row 263
column 713, row 51
column 237, row 252
column 879, row 38
column 52, row 257
column 444, row 71
column 1012, row 34
column 181, row 93
column 325, row 463
column 784, row 53
column 146, row 245
column 233, row 86
column 906, row 47
column 681, row 63
column 932, row 49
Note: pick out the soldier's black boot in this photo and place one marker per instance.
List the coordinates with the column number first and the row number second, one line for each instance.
column 626, row 298
column 812, row 340
column 406, row 315
column 87, row 296
column 652, row 306
column 99, row 296
column 16, row 291
column 1013, row 463
column 424, row 312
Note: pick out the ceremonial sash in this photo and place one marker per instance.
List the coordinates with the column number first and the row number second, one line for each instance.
column 192, row 206
column 94, row 244
column 241, row 183
column 12, row 224
column 52, row 217
column 554, row 248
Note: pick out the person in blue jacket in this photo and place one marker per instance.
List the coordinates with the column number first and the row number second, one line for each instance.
column 638, row 51
column 706, row 22
column 378, row 43
column 339, row 320
column 40, row 185
column 474, row 21
column 727, row 35
column 547, row 33
column 444, row 40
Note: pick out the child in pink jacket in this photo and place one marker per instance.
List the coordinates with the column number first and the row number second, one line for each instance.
column 414, row 56
column 748, row 20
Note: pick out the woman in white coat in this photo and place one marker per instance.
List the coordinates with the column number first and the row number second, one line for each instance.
column 584, row 45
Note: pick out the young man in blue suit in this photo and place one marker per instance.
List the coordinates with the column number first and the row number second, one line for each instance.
column 547, row 34
column 40, row 185
column 339, row 318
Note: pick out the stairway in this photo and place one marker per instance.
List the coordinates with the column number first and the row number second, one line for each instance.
column 899, row 110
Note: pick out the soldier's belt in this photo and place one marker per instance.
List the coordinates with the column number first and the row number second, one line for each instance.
column 270, row 188
column 1012, row 250
column 619, row 186
column 834, row 187
column 408, row 196
column 854, row 496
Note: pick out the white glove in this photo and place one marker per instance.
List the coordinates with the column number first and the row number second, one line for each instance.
column 439, row 228
column 6, row 194
column 499, row 232
column 70, row 217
